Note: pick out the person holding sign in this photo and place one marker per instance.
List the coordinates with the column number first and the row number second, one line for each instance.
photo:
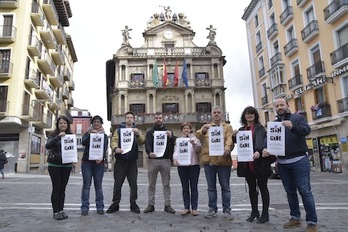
column 124, row 144
column 58, row 171
column 186, row 152
column 217, row 161
column 294, row 167
column 257, row 169
column 92, row 164
column 159, row 146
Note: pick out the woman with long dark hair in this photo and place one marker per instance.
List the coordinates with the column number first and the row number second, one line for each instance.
column 59, row 171
column 256, row 172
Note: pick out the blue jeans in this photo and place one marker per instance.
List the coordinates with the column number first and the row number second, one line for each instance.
column 89, row 170
column 296, row 176
column 223, row 173
column 189, row 181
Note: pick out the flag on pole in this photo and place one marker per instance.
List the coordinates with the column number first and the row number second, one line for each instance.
column 155, row 75
column 184, row 74
column 165, row 75
column 176, row 74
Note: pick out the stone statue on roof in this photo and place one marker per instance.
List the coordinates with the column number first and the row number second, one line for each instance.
column 125, row 34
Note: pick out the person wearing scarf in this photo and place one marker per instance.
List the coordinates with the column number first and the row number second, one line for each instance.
column 93, row 168
column 257, row 172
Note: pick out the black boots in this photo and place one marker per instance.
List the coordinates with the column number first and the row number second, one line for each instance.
column 253, row 216
column 264, row 218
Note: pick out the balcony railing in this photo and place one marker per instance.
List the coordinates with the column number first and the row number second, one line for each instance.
column 339, row 54
column 335, row 10
column 258, row 47
column 261, row 72
column 279, row 91
column 6, row 69
column 272, row 31
column 310, row 31
column 7, row 33
column 168, row 118
column 276, row 58
column 291, row 47
column 301, row 3
column 4, row 106
column 315, row 70
column 295, row 81
column 10, row 4
column 322, row 112
column 342, row 105
column 264, row 100
column 287, row 15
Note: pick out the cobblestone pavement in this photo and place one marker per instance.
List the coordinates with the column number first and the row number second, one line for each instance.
column 25, row 206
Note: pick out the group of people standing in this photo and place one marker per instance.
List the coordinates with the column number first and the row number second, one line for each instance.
column 294, row 167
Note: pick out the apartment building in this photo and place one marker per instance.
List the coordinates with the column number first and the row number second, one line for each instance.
column 168, row 74
column 37, row 61
column 298, row 49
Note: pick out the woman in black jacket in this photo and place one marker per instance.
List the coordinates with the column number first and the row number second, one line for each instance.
column 258, row 171
column 59, row 171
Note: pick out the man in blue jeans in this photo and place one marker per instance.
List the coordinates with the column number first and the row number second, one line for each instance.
column 294, row 167
column 217, row 165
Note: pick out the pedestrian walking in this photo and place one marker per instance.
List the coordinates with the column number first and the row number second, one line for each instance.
column 3, row 162
column 124, row 144
column 160, row 157
column 188, row 171
column 58, row 171
column 294, row 167
column 217, row 161
column 92, row 164
column 256, row 172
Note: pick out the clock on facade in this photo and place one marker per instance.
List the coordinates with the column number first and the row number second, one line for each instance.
column 168, row 34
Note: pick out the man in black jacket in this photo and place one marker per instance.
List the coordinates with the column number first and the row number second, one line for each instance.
column 294, row 167
column 3, row 161
column 158, row 163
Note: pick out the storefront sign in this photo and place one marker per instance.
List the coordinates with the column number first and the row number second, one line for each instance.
column 339, row 71
column 314, row 83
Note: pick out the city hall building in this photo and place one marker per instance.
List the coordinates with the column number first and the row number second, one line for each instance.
column 169, row 74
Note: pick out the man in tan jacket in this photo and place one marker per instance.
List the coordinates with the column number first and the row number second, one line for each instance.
column 217, row 162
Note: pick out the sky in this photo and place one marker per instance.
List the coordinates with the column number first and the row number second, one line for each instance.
column 95, row 29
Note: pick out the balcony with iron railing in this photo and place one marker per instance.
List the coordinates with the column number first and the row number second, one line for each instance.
column 169, row 52
column 71, row 85
column 70, row 101
column 60, row 34
column 262, row 72
column 335, row 10
column 32, row 80
column 291, row 47
column 50, row 12
column 6, row 69
column 339, row 57
column 47, row 36
column 35, row 46
column 45, row 120
column 264, row 100
column 279, row 91
column 272, row 31
column 316, row 70
column 57, row 55
column 31, row 112
column 310, row 31
column 295, row 82
column 56, row 104
column 343, row 105
column 167, row 118
column 7, row 33
column 277, row 58
column 286, row 15
column 9, row 4
column 36, row 15
column 46, row 65
column 4, row 107
column 301, row 3
column 259, row 47
column 45, row 93
column 65, row 93
column 321, row 110
column 67, row 74
column 56, row 80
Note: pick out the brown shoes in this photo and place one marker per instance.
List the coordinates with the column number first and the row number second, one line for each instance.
column 185, row 212
column 194, row 213
column 292, row 223
column 311, row 228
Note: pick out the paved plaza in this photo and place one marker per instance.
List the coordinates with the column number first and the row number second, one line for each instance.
column 25, row 206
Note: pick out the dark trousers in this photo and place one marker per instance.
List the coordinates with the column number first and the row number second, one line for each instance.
column 261, row 182
column 59, row 177
column 123, row 169
column 189, row 180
